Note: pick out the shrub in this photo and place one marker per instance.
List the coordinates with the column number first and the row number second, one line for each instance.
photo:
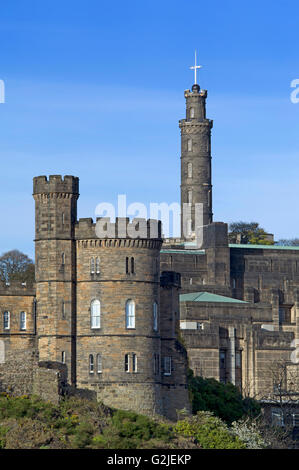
column 248, row 431
column 209, row 431
column 224, row 400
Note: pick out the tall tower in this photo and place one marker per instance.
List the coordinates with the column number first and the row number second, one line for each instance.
column 196, row 184
column 55, row 217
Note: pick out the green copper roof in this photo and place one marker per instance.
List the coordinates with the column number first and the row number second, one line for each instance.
column 184, row 252
column 208, row 297
column 263, row 247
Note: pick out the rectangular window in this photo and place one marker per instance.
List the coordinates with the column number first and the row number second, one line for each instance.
column 6, row 320
column 167, row 365
column 63, row 357
column 134, row 362
column 91, row 364
column 23, row 321
column 127, row 363
column 277, row 418
column 98, row 265
column 92, row 266
column 99, row 364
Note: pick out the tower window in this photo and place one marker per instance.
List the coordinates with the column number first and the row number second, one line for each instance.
column 23, row 321
column 191, row 113
column 134, row 362
column 98, row 265
column 190, row 197
column 189, row 170
column 63, row 309
column 130, row 314
column 62, row 218
column 127, row 265
column 99, row 364
column 167, row 365
column 189, row 145
column 6, row 320
column 63, row 259
column 95, row 313
column 92, row 270
column 63, row 357
column 155, row 316
column 127, row 363
column 132, row 266
column 91, row 364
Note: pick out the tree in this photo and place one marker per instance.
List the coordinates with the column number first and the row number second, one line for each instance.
column 16, row 266
column 248, row 233
column 224, row 400
column 288, row 242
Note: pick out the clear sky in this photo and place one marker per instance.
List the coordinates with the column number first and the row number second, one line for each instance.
column 95, row 89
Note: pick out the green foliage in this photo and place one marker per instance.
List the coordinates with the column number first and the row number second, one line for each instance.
column 224, row 400
column 3, row 432
column 209, row 431
column 248, row 232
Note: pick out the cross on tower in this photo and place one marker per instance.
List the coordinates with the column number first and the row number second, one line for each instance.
column 195, row 67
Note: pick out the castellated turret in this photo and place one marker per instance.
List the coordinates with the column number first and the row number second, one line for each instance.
column 118, row 313
column 55, row 257
column 196, row 185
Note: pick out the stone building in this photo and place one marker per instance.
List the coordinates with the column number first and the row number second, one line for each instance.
column 122, row 314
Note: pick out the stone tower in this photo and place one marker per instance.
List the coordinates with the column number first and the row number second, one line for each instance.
column 118, row 297
column 55, row 217
column 196, row 184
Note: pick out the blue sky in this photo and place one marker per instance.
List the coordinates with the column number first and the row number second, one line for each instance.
column 96, row 89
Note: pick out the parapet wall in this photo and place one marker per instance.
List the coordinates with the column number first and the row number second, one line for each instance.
column 56, row 184
column 17, row 288
column 122, row 228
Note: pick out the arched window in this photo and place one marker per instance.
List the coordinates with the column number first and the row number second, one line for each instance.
column 189, row 145
column 98, row 265
column 6, row 320
column 155, row 316
column 191, row 113
column 23, row 321
column 134, row 362
column 130, row 314
column 99, row 364
column 92, row 266
column 95, row 313
column 91, row 364
column 189, row 170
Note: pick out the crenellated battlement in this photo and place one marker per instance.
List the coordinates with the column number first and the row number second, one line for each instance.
column 122, row 228
column 17, row 288
column 56, row 184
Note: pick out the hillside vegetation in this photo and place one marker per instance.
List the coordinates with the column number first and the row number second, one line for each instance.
column 31, row 423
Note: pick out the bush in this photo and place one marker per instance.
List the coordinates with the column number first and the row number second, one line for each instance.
column 224, row 400
column 209, row 431
column 248, row 431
